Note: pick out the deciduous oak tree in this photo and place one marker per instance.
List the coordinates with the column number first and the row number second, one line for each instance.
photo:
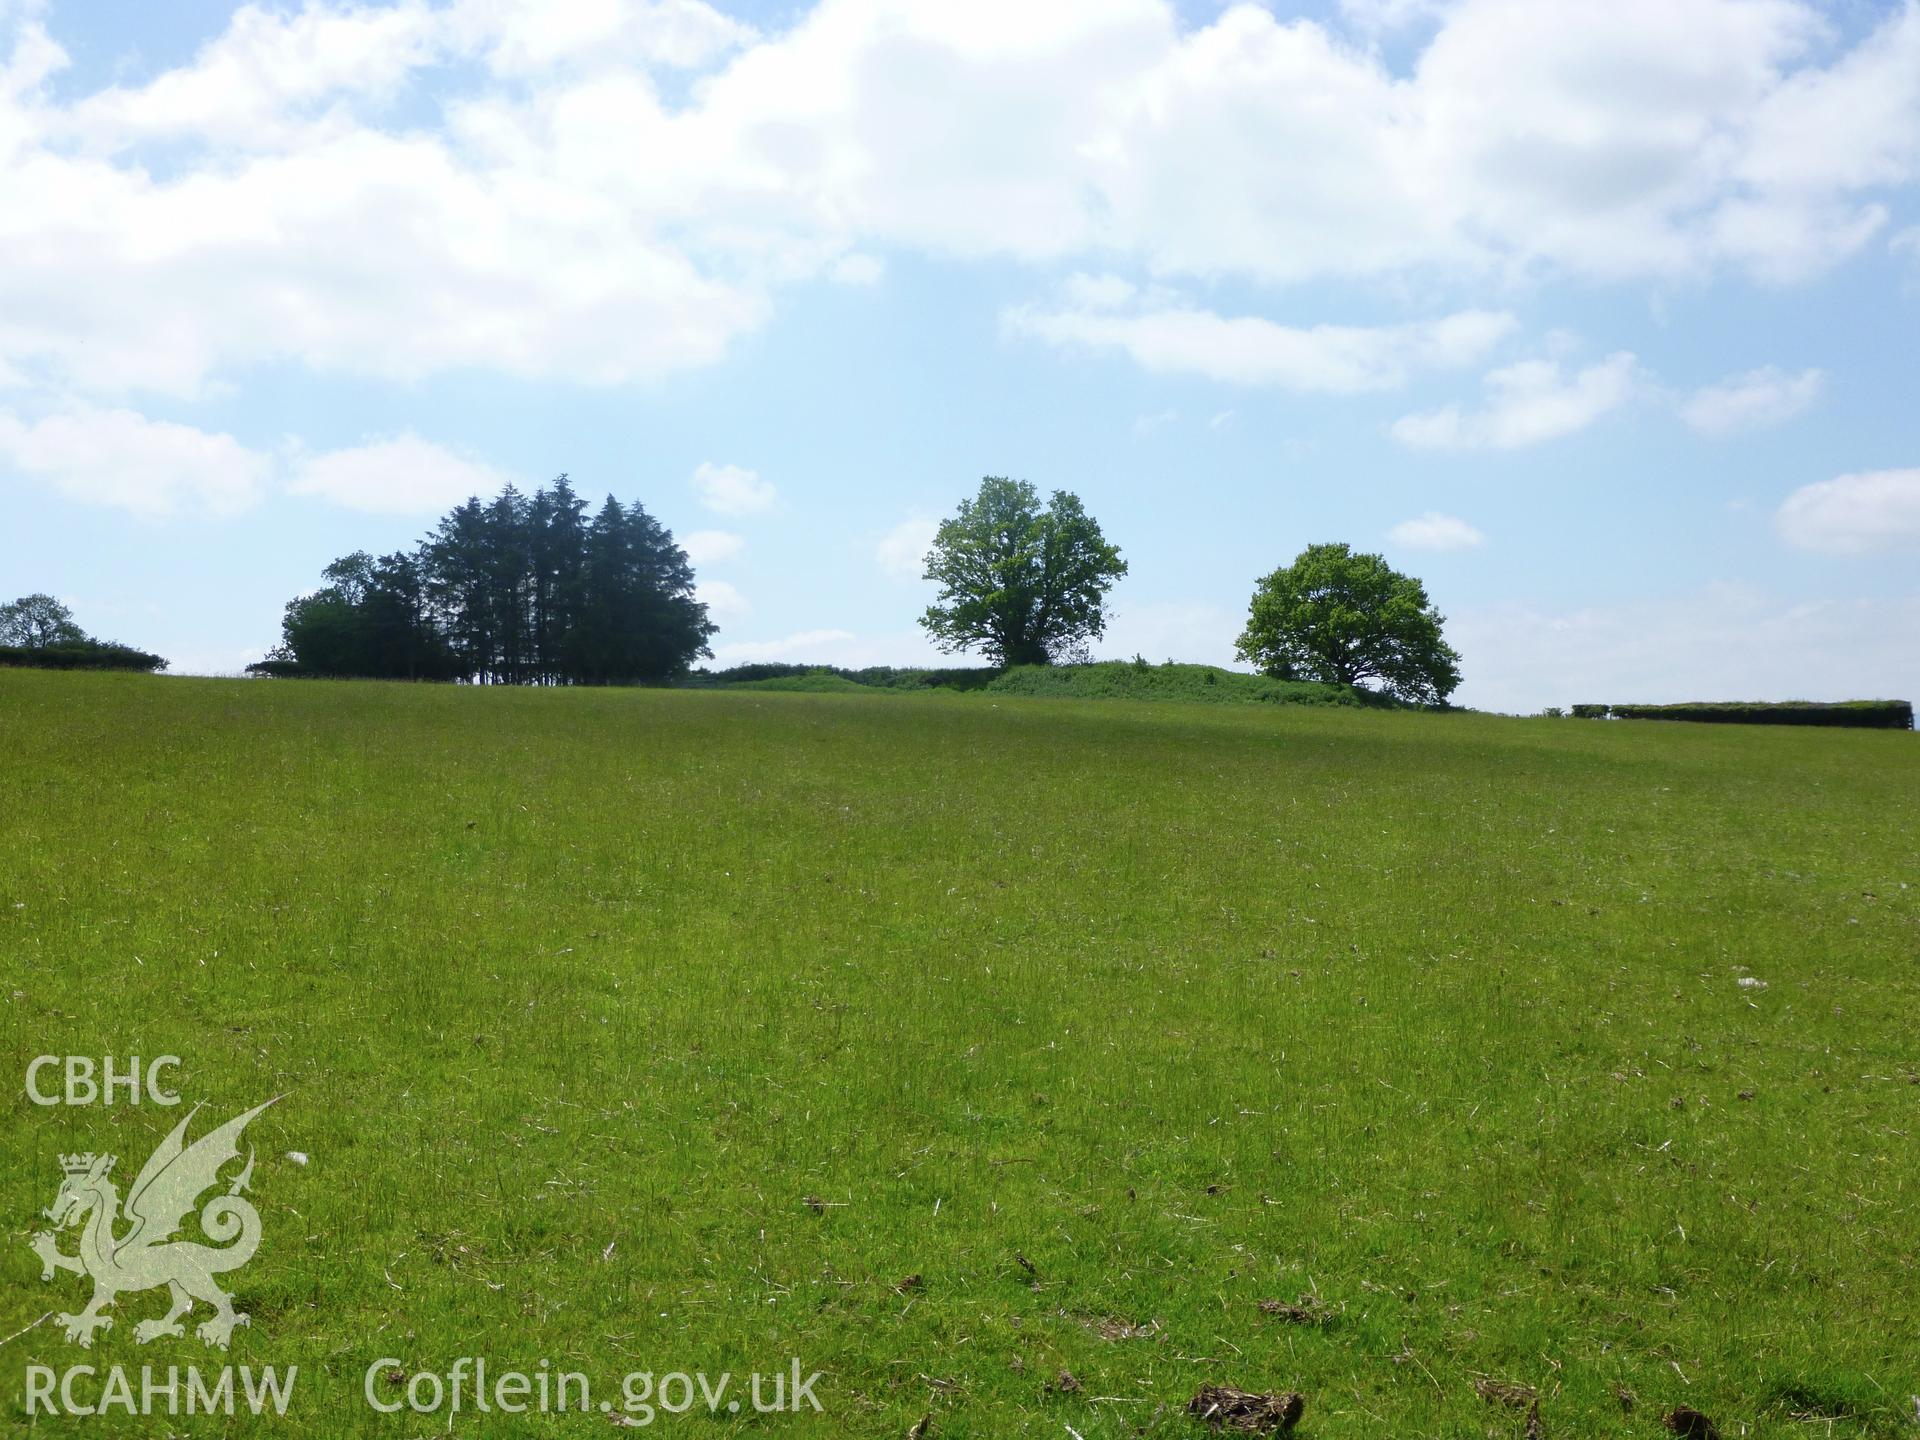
column 1347, row 619
column 1024, row 583
column 37, row 621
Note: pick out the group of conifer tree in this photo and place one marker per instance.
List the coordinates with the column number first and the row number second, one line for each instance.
column 519, row 590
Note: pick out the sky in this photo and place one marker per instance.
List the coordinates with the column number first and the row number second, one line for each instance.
column 1600, row 319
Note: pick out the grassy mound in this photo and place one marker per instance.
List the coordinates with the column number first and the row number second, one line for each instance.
column 1128, row 680
column 1099, row 680
column 819, row 682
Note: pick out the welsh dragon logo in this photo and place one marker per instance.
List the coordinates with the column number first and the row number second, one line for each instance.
column 147, row 1255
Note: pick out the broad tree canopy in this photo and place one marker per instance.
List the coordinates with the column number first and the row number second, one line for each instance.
column 1023, row 583
column 37, row 621
column 1346, row 619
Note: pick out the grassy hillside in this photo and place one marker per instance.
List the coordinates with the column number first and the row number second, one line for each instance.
column 678, row 1030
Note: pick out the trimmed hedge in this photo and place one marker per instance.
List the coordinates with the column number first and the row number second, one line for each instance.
column 80, row 655
column 1857, row 714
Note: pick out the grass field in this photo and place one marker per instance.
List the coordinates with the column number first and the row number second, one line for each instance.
column 673, row 1031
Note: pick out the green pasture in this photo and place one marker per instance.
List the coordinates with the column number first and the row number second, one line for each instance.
column 993, row 1055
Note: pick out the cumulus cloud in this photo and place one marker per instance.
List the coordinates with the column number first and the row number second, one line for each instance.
column 1756, row 400
column 396, row 191
column 121, row 458
column 902, row 551
column 725, row 604
column 1854, row 514
column 732, row 489
column 257, row 84
column 1250, row 350
column 712, row 547
column 1435, row 531
column 291, row 222
column 858, row 270
column 522, row 37
column 1907, row 245
column 1527, row 403
column 1099, row 292
column 1374, row 16
column 399, row 475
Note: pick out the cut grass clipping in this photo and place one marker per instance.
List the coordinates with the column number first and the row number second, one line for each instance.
column 995, row 1057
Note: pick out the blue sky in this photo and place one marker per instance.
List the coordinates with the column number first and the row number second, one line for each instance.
column 1600, row 319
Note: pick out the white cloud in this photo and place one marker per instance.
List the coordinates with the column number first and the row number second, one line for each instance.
column 520, row 37
column 1651, row 137
column 1756, row 400
column 1434, row 531
column 732, row 489
column 289, row 222
column 712, row 547
column 724, row 602
column 1147, row 424
column 1374, row 16
column 1099, row 292
column 121, row 458
column 1248, row 350
column 1527, row 403
column 1907, row 244
column 403, row 190
column 1851, row 125
column 902, row 551
column 358, row 253
column 255, row 85
column 1854, row 514
column 1726, row 642
column 858, row 270
column 399, row 475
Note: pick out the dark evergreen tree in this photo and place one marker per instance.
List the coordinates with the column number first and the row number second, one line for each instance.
column 559, row 537
column 454, row 560
column 519, row 590
column 508, row 563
